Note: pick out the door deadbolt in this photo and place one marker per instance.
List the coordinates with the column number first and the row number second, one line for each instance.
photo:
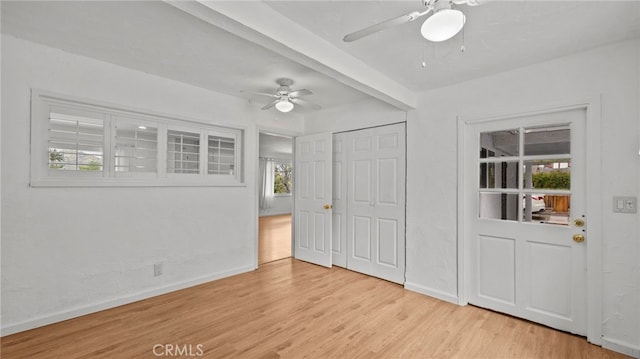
column 579, row 238
column 578, row 222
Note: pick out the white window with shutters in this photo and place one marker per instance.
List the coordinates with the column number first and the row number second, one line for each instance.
column 135, row 147
column 81, row 143
column 183, row 151
column 222, row 153
column 76, row 141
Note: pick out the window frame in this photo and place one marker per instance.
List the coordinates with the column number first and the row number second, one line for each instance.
column 183, row 129
column 93, row 116
column 237, row 143
column 42, row 102
column 288, row 161
column 518, row 161
column 140, row 121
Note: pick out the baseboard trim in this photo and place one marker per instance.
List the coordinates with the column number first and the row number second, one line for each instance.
column 621, row 347
column 438, row 294
column 116, row 302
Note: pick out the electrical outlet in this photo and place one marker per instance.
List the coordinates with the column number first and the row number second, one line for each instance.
column 157, row 269
column 625, row 204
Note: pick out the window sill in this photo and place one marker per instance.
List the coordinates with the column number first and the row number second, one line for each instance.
column 130, row 182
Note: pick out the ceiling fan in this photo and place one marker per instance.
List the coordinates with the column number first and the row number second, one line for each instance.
column 442, row 25
column 286, row 98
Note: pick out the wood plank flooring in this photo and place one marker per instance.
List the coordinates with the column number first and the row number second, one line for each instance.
column 274, row 238
column 292, row 309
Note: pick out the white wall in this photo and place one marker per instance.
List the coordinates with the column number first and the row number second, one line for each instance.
column 614, row 72
column 0, row 184
column 281, row 205
column 70, row 251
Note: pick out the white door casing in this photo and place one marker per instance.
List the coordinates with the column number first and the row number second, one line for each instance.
column 312, row 198
column 339, row 218
column 376, row 201
column 515, row 263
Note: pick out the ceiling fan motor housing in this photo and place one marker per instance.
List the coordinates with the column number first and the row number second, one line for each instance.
column 284, row 88
column 441, row 4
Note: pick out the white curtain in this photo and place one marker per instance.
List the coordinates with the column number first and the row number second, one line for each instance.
column 267, row 172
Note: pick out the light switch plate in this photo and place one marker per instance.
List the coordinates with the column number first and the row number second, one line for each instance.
column 625, row 204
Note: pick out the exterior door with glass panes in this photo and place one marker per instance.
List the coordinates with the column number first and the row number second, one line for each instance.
column 525, row 221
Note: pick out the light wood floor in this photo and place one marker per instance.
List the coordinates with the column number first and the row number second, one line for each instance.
column 293, row 309
column 274, row 233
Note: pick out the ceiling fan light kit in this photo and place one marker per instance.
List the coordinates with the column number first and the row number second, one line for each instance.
column 284, row 105
column 443, row 25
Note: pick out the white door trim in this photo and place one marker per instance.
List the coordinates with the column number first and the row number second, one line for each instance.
column 592, row 106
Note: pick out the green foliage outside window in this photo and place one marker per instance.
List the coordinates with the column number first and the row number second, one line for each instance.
column 282, row 181
column 92, row 166
column 55, row 159
column 552, row 180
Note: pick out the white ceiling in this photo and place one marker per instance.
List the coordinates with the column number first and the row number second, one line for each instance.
column 190, row 46
column 157, row 38
column 498, row 35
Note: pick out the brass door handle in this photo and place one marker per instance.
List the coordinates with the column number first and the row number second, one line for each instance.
column 327, row 206
column 579, row 238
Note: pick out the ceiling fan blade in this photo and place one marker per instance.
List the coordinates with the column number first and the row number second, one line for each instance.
column 469, row 2
column 384, row 25
column 307, row 104
column 302, row 92
column 271, row 104
column 260, row 93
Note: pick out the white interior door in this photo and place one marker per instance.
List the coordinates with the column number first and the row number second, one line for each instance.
column 376, row 202
column 339, row 218
column 312, row 205
column 524, row 206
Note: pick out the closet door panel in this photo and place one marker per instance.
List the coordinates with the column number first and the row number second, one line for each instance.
column 376, row 161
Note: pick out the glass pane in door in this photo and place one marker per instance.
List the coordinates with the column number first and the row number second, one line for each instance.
column 547, row 174
column 499, row 175
column 496, row 205
column 547, row 208
column 499, row 143
column 549, row 140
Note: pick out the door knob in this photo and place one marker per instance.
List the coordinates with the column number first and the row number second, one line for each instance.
column 579, row 238
column 327, row 206
column 578, row 222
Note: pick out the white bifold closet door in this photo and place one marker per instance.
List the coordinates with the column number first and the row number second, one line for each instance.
column 369, row 201
column 339, row 217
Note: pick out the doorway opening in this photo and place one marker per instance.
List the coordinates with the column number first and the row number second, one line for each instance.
column 275, row 179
